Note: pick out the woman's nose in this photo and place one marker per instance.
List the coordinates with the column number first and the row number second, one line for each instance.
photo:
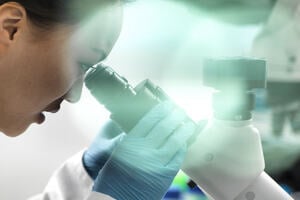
column 74, row 93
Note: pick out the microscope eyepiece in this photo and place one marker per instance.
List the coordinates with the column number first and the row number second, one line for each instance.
column 126, row 104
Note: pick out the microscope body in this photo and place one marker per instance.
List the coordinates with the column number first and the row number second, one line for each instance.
column 226, row 161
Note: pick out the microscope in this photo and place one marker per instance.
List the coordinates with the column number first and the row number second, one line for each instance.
column 226, row 159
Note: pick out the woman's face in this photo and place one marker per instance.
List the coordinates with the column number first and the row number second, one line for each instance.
column 39, row 69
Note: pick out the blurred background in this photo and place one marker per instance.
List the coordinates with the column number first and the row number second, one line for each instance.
column 166, row 41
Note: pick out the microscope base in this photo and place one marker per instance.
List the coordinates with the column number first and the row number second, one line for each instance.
column 264, row 187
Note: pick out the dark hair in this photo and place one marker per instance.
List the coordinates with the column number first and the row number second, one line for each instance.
column 45, row 13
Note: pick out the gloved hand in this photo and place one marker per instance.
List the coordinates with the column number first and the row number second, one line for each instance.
column 99, row 151
column 145, row 162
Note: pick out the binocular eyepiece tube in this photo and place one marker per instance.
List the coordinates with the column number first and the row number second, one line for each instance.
column 126, row 104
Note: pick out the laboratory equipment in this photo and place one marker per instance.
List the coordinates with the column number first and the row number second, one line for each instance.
column 226, row 159
column 126, row 104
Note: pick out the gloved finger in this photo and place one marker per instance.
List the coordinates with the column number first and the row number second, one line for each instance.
column 177, row 160
column 107, row 145
column 107, row 135
column 110, row 130
column 102, row 146
column 177, row 141
column 166, row 127
column 154, row 116
column 200, row 125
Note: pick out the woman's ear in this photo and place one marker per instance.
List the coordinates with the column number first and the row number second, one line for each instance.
column 12, row 17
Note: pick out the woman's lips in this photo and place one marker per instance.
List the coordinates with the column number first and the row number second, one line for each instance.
column 52, row 108
column 40, row 118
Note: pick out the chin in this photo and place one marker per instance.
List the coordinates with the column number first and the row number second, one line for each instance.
column 14, row 131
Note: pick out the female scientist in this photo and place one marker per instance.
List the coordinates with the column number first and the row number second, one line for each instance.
column 43, row 46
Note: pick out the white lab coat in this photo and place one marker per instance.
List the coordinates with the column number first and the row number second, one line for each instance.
column 70, row 182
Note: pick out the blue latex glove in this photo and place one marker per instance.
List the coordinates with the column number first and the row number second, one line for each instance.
column 99, row 151
column 145, row 162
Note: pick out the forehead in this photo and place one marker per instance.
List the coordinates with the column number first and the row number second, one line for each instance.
column 94, row 38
